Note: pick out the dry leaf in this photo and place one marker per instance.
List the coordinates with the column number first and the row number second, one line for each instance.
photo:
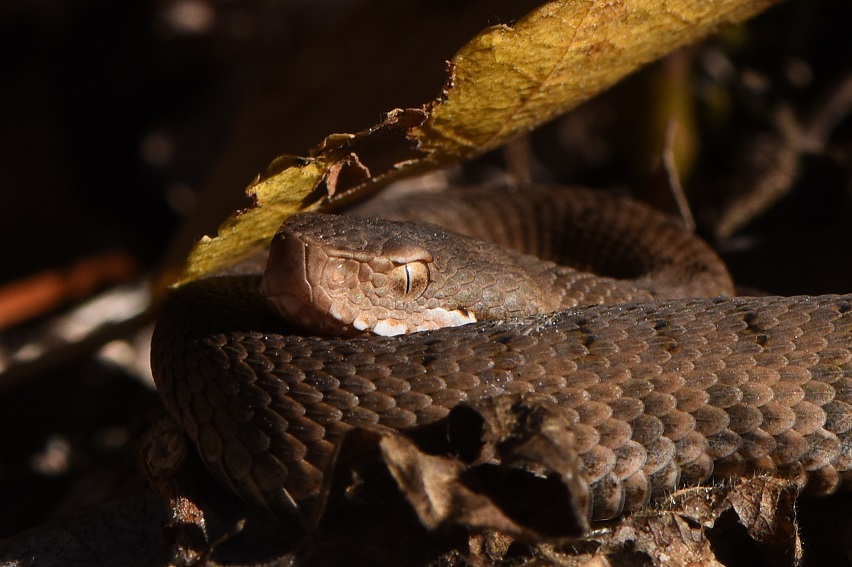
column 730, row 523
column 506, row 80
column 766, row 508
column 668, row 539
column 531, row 494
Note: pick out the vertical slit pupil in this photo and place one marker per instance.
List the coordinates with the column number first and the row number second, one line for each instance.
column 407, row 279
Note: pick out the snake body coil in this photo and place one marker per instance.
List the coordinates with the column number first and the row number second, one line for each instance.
column 660, row 393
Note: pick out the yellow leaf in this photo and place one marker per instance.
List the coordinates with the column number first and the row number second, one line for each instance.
column 510, row 79
column 248, row 231
column 506, row 80
column 291, row 184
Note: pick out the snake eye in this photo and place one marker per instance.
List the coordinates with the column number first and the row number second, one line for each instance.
column 410, row 279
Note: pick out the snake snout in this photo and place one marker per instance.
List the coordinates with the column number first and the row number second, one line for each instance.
column 285, row 272
column 286, row 281
column 306, row 285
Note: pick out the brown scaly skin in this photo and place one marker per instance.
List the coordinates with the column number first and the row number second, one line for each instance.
column 660, row 394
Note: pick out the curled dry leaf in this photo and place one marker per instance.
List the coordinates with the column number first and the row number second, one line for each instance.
column 506, row 80
column 766, row 508
column 728, row 524
column 668, row 539
column 530, row 494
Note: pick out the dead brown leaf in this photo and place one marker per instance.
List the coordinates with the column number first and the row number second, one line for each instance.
column 766, row 507
column 730, row 524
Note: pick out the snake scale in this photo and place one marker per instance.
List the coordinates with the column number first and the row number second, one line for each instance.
column 661, row 390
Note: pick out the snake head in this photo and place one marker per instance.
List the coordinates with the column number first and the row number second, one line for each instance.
column 347, row 276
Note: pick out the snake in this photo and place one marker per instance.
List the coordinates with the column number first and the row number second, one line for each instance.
column 666, row 378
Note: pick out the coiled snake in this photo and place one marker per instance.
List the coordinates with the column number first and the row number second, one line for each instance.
column 662, row 389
